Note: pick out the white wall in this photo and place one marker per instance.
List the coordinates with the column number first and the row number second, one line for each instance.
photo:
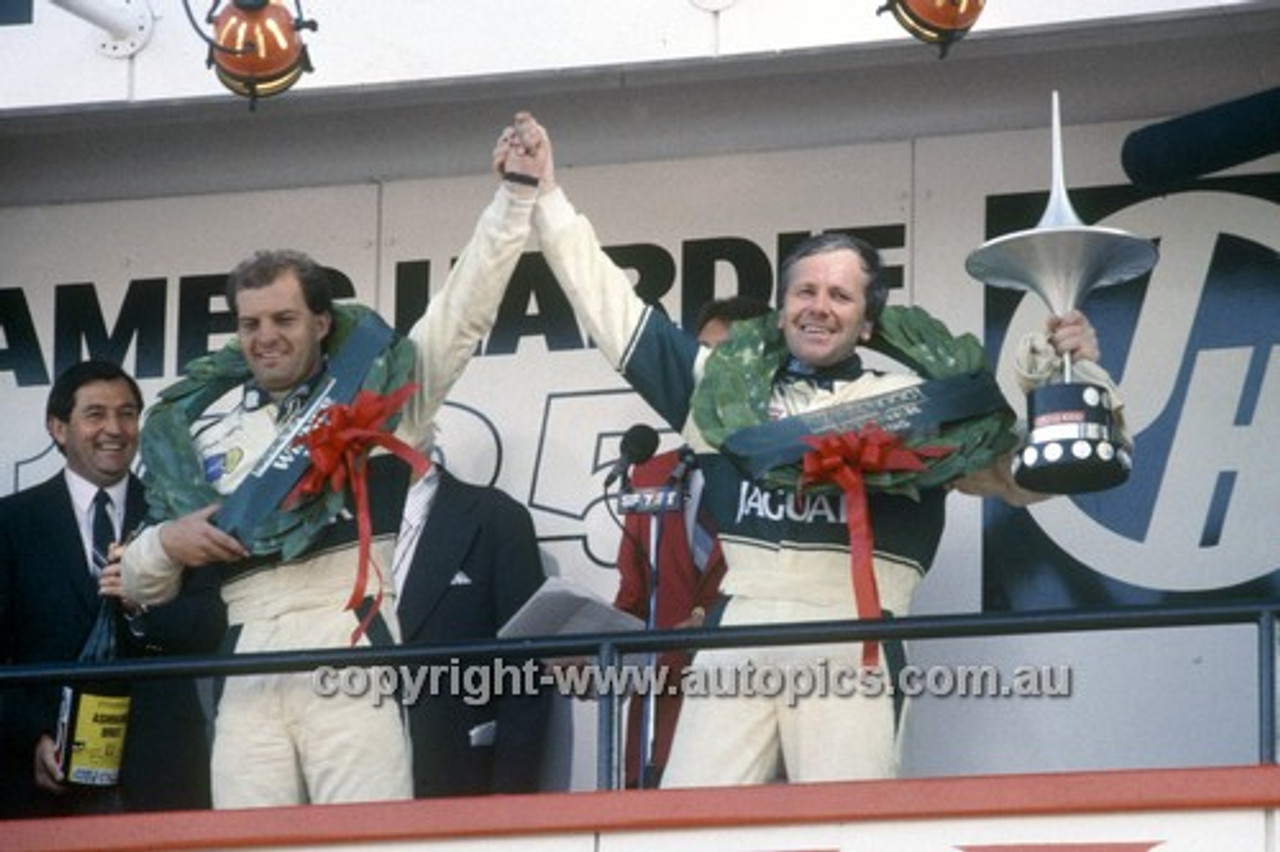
column 59, row 143
column 58, row 62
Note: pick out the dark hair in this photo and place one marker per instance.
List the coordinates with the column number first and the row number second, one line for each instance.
column 62, row 396
column 730, row 310
column 266, row 265
column 877, row 295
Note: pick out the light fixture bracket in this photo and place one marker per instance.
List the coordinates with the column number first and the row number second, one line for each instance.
column 127, row 24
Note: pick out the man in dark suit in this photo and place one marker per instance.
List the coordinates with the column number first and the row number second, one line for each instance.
column 50, row 587
column 467, row 559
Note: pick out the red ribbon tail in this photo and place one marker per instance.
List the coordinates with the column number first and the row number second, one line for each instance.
column 416, row 460
column 364, row 527
column 338, row 446
column 842, row 459
column 862, row 565
column 363, row 627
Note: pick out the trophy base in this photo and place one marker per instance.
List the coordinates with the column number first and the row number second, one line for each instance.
column 1073, row 447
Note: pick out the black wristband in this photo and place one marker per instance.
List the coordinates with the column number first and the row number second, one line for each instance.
column 520, row 178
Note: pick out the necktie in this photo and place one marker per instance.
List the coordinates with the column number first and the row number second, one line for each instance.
column 104, row 532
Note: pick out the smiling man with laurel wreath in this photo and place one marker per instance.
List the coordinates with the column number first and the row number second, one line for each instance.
column 827, row 480
column 297, row 575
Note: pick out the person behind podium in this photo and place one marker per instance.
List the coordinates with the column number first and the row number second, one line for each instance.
column 467, row 560
column 679, row 548
column 276, row 741
column 51, row 585
column 785, row 533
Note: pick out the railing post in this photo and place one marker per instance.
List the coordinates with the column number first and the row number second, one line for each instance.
column 1267, row 686
column 607, row 729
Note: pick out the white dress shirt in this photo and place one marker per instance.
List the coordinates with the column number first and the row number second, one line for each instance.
column 417, row 504
column 83, row 493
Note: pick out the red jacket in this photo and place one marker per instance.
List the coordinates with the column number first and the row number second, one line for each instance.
column 681, row 587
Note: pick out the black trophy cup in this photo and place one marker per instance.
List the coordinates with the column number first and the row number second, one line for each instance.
column 1072, row 445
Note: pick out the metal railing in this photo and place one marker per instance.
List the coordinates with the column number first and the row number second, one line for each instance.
column 609, row 649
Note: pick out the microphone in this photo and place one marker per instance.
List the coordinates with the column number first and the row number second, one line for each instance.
column 638, row 444
column 1184, row 148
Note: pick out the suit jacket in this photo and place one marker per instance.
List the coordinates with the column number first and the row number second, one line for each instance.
column 48, row 603
column 476, row 563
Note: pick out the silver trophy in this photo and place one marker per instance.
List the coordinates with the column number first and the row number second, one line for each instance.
column 1072, row 444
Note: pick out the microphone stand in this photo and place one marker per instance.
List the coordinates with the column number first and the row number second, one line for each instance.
column 649, row 711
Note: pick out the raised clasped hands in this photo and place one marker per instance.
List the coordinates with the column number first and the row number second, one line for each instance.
column 524, row 149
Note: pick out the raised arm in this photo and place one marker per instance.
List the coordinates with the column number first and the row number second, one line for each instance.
column 657, row 358
column 464, row 310
column 601, row 292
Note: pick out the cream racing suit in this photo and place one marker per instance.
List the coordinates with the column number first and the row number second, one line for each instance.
column 787, row 555
column 277, row 741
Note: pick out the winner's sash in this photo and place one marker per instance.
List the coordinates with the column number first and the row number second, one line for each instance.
column 843, row 444
column 916, row 411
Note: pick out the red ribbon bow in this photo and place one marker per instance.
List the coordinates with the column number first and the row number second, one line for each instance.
column 339, row 446
column 842, row 459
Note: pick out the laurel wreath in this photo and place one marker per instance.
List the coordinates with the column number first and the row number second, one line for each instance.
column 174, row 473
column 739, row 375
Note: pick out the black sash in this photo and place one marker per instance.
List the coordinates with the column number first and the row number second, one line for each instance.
column 916, row 410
